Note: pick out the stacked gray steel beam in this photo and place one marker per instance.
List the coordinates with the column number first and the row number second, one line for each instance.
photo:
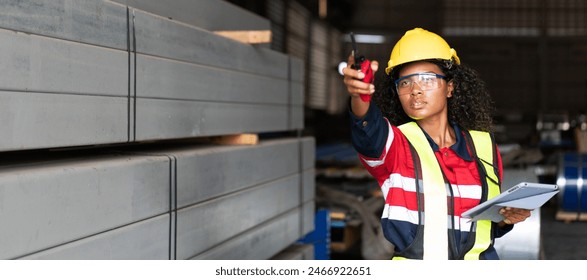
column 95, row 73
column 65, row 74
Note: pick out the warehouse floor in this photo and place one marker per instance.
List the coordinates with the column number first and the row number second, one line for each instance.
column 562, row 240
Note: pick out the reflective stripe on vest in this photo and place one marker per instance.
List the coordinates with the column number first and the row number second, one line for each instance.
column 435, row 221
column 484, row 150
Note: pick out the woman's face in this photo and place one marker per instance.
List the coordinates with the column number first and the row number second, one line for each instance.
column 424, row 96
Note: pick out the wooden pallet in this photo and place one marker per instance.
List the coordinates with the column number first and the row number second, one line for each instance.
column 236, row 139
column 231, row 139
column 349, row 236
column 247, row 36
column 569, row 217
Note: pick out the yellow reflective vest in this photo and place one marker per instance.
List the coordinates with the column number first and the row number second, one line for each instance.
column 429, row 172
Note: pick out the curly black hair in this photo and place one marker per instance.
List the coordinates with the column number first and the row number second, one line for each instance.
column 470, row 106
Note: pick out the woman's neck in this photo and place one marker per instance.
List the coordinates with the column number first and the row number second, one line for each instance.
column 440, row 131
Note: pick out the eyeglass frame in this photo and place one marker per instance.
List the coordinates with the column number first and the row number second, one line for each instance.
column 438, row 76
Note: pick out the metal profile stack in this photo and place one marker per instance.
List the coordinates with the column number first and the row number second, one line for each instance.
column 96, row 73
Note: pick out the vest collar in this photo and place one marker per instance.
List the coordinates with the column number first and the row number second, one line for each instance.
column 460, row 147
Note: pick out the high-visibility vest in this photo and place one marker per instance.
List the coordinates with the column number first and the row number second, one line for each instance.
column 427, row 169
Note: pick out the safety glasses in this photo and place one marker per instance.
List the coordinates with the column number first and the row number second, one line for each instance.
column 425, row 81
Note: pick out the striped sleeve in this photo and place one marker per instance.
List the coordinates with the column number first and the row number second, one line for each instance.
column 369, row 134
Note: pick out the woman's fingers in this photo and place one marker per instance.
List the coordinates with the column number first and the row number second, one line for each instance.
column 514, row 215
column 355, row 86
column 353, row 78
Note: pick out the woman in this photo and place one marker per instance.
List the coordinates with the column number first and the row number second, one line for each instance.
column 427, row 143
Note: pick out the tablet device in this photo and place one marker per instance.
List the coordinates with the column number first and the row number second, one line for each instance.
column 524, row 195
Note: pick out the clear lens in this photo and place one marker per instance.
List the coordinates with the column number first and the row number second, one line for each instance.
column 425, row 81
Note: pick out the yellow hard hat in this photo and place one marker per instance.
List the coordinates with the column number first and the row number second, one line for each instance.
column 419, row 44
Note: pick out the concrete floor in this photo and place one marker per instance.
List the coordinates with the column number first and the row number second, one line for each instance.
column 562, row 240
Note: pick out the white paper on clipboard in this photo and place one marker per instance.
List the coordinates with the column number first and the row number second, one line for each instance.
column 524, row 195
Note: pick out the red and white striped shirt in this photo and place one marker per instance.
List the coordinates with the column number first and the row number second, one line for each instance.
column 385, row 153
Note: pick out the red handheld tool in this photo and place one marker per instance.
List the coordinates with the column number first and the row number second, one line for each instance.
column 364, row 65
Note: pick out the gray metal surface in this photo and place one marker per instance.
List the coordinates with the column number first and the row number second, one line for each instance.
column 297, row 70
column 41, row 64
column 211, row 223
column 205, row 14
column 295, row 117
column 158, row 119
column 37, row 120
column 261, row 242
column 162, row 37
column 117, row 206
column 95, row 22
column 309, row 186
column 70, row 82
column 61, row 93
column 189, row 81
column 253, row 180
column 309, row 152
column 49, row 204
column 296, row 93
column 144, row 240
column 164, row 78
column 242, row 167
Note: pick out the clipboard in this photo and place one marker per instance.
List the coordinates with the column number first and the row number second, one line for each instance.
column 524, row 195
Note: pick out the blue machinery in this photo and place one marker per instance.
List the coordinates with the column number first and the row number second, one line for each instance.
column 320, row 237
column 572, row 179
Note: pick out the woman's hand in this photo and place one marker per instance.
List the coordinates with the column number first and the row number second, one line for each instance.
column 355, row 86
column 513, row 215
